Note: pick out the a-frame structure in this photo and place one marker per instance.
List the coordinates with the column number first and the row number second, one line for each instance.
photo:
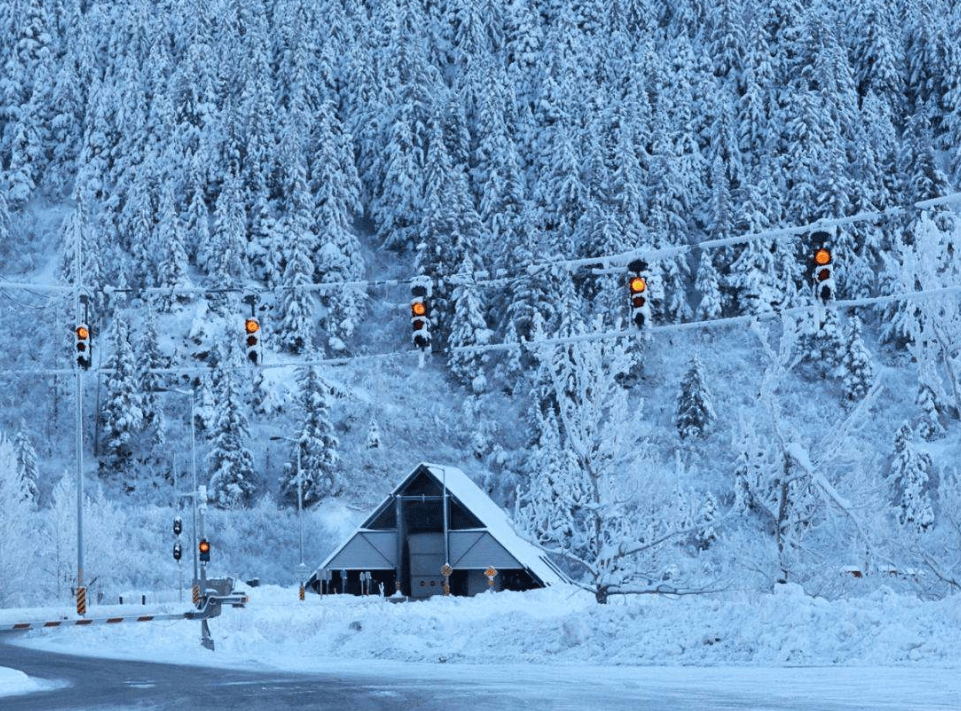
column 436, row 515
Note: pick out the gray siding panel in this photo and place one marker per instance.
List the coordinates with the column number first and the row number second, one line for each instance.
column 367, row 550
column 478, row 549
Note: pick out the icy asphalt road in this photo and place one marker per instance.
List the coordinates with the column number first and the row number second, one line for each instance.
column 92, row 683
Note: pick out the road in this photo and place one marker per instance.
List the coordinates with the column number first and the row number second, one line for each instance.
column 108, row 685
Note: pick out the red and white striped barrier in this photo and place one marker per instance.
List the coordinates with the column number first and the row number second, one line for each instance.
column 24, row 626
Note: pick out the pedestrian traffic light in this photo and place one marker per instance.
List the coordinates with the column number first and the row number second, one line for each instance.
column 823, row 266
column 178, row 551
column 252, row 329
column 178, row 525
column 637, row 285
column 83, row 345
column 204, row 550
column 420, row 291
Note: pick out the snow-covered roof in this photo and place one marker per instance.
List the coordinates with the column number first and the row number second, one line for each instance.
column 494, row 519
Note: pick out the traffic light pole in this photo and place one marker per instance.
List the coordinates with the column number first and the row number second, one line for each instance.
column 78, row 299
column 81, row 592
column 202, row 506
column 201, row 503
column 193, row 464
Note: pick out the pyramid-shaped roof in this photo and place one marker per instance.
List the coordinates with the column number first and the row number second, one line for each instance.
column 492, row 518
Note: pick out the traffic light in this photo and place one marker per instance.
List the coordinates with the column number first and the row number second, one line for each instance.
column 178, row 526
column 178, row 551
column 83, row 345
column 204, row 547
column 823, row 266
column 640, row 298
column 420, row 291
column 252, row 329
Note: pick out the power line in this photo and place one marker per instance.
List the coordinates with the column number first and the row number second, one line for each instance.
column 652, row 254
column 557, row 340
column 709, row 323
column 501, row 278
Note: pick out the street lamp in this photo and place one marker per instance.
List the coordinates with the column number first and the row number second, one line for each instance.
column 302, row 566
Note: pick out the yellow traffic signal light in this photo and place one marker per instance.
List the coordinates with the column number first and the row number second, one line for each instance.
column 637, row 284
column 419, row 312
column 823, row 261
column 204, row 547
column 252, row 328
column 82, row 332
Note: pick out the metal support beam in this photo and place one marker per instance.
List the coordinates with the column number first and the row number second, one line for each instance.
column 399, row 512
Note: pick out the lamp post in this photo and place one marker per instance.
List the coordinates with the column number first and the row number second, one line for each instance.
column 302, row 566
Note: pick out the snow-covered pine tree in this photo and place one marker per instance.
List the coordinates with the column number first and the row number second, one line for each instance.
column 196, row 220
column 121, row 414
column 396, row 209
column 911, row 472
column 856, row 369
column 824, row 343
column 66, row 125
column 296, row 326
column 27, row 473
column 930, row 427
column 230, row 463
column 556, row 493
column 149, row 358
column 708, row 286
column 695, row 411
column 338, row 258
column 468, row 328
column 230, row 232
column 323, row 476
column 172, row 272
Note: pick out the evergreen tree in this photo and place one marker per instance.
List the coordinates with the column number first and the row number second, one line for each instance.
column 338, row 257
column 26, row 465
column 708, row 286
column 856, row 369
column 930, row 427
column 321, row 469
column 230, row 232
column 695, row 411
column 296, row 327
column 149, row 358
column 911, row 476
column 468, row 328
column 230, row 463
column 121, row 414
column 172, row 271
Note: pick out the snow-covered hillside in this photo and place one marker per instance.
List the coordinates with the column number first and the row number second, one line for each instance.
column 304, row 161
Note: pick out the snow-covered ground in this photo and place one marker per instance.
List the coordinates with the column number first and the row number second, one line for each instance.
column 15, row 683
column 556, row 626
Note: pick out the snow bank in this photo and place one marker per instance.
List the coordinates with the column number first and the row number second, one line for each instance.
column 15, row 683
column 554, row 626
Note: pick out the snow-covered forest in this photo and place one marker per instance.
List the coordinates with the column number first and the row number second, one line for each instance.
column 307, row 159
